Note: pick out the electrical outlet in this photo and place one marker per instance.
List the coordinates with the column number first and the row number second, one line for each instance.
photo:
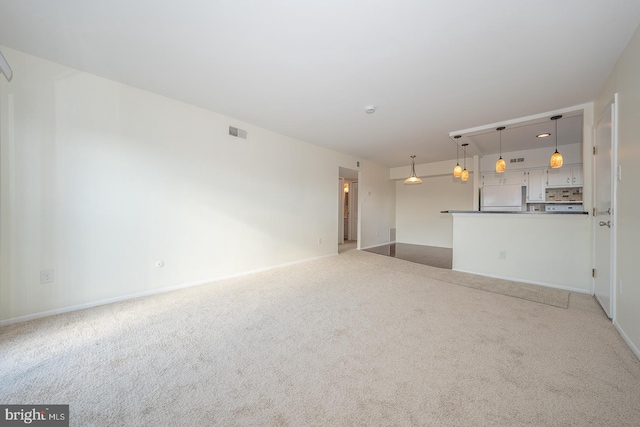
column 46, row 276
column 319, row 240
column 620, row 286
column 502, row 254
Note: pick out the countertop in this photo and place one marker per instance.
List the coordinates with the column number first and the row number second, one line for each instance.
column 520, row 212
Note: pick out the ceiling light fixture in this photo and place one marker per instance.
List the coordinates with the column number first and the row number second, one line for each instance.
column 501, row 165
column 370, row 109
column 543, row 135
column 413, row 178
column 457, row 170
column 556, row 158
column 464, row 176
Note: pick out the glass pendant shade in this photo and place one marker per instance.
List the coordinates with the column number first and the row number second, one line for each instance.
column 556, row 160
column 457, row 170
column 413, row 178
column 464, row 176
column 501, row 165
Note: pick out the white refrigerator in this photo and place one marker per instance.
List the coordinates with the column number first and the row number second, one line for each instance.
column 506, row 198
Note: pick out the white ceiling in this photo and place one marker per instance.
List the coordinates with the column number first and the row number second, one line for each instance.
column 308, row 69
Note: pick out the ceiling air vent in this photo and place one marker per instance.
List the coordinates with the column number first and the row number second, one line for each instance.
column 238, row 133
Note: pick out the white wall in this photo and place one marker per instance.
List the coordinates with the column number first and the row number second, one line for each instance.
column 418, row 217
column 100, row 180
column 550, row 250
column 418, row 209
column 625, row 80
column 376, row 194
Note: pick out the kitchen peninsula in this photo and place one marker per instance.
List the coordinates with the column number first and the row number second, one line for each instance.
column 543, row 248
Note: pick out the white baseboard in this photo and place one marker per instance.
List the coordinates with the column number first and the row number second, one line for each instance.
column 530, row 282
column 68, row 309
column 626, row 339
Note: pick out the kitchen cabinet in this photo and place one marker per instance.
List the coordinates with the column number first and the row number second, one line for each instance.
column 491, row 178
column 566, row 176
column 514, row 177
column 535, row 185
column 576, row 176
column 504, row 178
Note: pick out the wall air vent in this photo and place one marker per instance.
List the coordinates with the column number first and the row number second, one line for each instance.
column 238, row 133
column 518, row 160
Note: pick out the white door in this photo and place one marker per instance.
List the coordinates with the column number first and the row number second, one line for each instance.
column 603, row 201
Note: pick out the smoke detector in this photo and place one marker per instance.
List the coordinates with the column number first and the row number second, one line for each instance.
column 370, row 109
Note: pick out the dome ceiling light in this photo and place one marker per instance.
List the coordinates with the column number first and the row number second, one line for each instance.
column 413, row 178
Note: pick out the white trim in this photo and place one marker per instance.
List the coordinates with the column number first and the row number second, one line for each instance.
column 529, row 282
column 521, row 120
column 614, row 209
column 627, row 340
column 594, row 177
column 28, row 317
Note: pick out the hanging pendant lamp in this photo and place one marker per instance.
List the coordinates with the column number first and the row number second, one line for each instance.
column 413, row 178
column 457, row 170
column 556, row 158
column 501, row 165
column 464, row 176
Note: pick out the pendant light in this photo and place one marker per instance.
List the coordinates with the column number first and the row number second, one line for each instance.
column 501, row 165
column 413, row 178
column 457, row 171
column 556, row 158
column 464, row 176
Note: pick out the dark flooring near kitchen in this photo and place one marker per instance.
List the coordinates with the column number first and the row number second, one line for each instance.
column 428, row 255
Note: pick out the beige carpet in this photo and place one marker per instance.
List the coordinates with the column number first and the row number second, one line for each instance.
column 338, row 341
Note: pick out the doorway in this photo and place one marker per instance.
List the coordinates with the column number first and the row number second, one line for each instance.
column 604, row 223
column 348, row 208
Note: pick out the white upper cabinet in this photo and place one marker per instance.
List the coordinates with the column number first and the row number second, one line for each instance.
column 535, row 185
column 504, row 178
column 491, row 178
column 514, row 177
column 566, row 176
column 576, row 175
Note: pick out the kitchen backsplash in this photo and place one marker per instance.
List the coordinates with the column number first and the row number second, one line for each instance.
column 563, row 194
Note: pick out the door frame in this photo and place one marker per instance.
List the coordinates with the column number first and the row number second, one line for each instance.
column 340, row 210
column 353, row 207
column 350, row 175
column 613, row 288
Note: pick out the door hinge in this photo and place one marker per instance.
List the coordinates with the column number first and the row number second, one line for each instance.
column 595, row 211
column 594, row 150
column 593, row 272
